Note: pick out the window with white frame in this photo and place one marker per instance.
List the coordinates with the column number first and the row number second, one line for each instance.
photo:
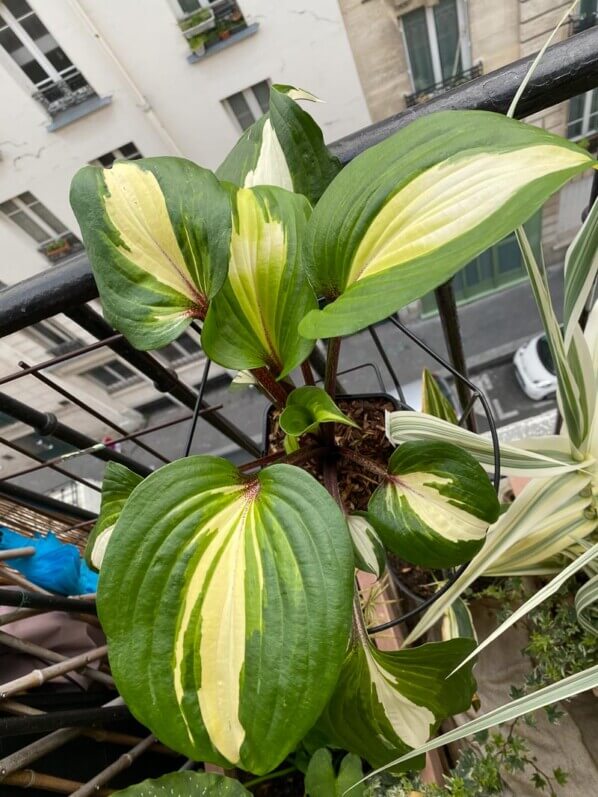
column 583, row 114
column 248, row 105
column 181, row 350
column 126, row 152
column 437, row 43
column 58, row 83
column 54, row 240
column 112, row 375
column 190, row 6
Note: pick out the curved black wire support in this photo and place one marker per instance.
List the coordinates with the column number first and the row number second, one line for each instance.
column 476, row 395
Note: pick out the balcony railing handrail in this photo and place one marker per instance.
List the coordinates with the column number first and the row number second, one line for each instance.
column 457, row 79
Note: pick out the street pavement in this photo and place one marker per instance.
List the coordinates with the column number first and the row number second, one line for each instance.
column 492, row 328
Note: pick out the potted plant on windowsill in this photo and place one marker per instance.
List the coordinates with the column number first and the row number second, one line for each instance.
column 199, row 22
column 243, row 578
column 197, row 43
column 56, row 249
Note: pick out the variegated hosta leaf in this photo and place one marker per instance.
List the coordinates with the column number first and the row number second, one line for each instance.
column 550, row 510
column 119, row 482
column 436, row 506
column 408, row 213
column 226, row 602
column 306, row 408
column 434, row 402
column 284, row 148
column 458, row 622
column 581, row 268
column 370, row 555
column 186, row 784
column 157, row 233
column 253, row 320
column 387, row 702
column 586, row 605
column 540, row 457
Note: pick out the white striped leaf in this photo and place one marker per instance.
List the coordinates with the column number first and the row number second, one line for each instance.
column 226, row 601
column 306, row 408
column 118, row 484
column 434, row 402
column 157, row 234
column 252, row 322
column 436, row 505
column 370, row 555
column 576, row 384
column 458, row 622
column 405, row 215
column 586, row 601
column 561, row 690
column 541, row 457
column 549, row 507
column 581, row 268
column 284, row 148
column 389, row 701
column 536, row 599
column 186, row 784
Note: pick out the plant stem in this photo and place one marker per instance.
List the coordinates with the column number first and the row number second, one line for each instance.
column 334, row 347
column 307, row 373
column 277, row 391
column 263, row 778
column 365, row 462
column 295, row 458
column 331, row 480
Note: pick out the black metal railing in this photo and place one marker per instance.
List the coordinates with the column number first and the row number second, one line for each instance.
column 423, row 95
column 582, row 22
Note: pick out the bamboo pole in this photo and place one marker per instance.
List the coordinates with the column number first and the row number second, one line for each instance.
column 31, row 649
column 97, row 734
column 18, row 614
column 15, row 553
column 39, row 677
column 121, row 763
column 20, row 581
column 31, row 752
column 29, row 779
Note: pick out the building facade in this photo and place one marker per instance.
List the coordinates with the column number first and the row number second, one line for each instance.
column 407, row 51
column 88, row 82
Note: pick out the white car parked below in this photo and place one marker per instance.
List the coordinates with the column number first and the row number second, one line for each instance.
column 534, row 369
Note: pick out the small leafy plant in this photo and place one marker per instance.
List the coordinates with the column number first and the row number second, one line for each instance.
column 227, row 595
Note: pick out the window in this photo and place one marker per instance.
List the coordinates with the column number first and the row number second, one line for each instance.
column 181, row 350
column 189, row 6
column 55, row 338
column 247, row 106
column 437, row 43
column 53, row 239
column 126, row 152
column 23, row 35
column 583, row 114
column 112, row 375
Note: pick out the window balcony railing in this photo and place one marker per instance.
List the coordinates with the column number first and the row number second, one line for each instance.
column 423, row 95
column 58, row 95
column 582, row 22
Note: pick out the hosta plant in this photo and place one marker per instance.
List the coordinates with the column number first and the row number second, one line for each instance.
column 227, row 594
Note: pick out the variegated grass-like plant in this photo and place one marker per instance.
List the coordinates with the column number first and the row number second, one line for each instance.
column 228, row 597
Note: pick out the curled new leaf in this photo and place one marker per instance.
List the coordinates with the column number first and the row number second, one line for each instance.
column 307, row 407
column 436, row 506
column 370, row 555
column 389, row 701
column 284, row 148
column 119, row 482
column 253, row 321
column 228, row 600
column 157, row 234
column 405, row 215
column 434, row 402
